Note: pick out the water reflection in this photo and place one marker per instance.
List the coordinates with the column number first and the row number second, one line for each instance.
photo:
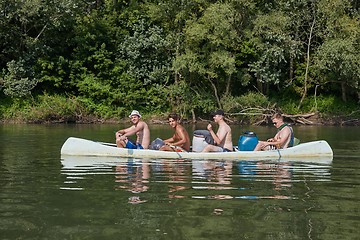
column 213, row 175
column 175, row 174
column 279, row 174
column 195, row 179
column 133, row 177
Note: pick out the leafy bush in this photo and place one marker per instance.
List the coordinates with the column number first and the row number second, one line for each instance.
column 45, row 109
column 247, row 107
column 18, row 80
column 10, row 108
column 56, row 108
column 185, row 99
column 335, row 106
column 248, row 102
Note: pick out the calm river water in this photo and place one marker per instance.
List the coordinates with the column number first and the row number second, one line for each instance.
column 45, row 197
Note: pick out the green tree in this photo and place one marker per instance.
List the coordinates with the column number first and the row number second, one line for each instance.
column 145, row 51
column 284, row 36
column 337, row 59
column 274, row 45
column 210, row 42
column 18, row 80
column 27, row 30
column 172, row 16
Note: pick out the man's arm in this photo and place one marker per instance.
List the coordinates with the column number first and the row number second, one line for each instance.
column 170, row 140
column 123, row 131
column 281, row 137
column 220, row 136
column 133, row 130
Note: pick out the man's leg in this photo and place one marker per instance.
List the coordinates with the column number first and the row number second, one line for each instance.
column 166, row 148
column 120, row 143
column 212, row 148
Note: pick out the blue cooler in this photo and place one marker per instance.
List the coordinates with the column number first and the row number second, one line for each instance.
column 248, row 141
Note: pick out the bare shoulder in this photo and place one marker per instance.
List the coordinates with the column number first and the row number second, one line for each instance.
column 181, row 128
column 142, row 124
column 227, row 128
column 285, row 131
column 224, row 129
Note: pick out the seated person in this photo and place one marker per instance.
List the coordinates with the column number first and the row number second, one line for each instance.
column 180, row 141
column 139, row 128
column 284, row 137
column 223, row 138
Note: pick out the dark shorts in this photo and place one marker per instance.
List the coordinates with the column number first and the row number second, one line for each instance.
column 132, row 145
column 226, row 150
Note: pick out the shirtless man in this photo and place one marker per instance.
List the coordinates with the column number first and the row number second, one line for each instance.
column 283, row 137
column 222, row 138
column 139, row 128
column 180, row 141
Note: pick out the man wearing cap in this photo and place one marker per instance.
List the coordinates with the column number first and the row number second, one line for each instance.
column 223, row 138
column 140, row 128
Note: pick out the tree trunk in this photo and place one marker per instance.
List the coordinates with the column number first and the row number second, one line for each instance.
column 307, row 62
column 267, row 89
column 343, row 91
column 228, row 84
column 193, row 115
column 259, row 85
column 291, row 68
column 315, row 99
column 177, row 75
column 216, row 93
column 292, row 55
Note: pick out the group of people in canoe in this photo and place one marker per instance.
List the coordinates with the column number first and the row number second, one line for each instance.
column 180, row 141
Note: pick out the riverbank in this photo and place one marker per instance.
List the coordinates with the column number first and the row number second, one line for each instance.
column 49, row 109
column 302, row 119
column 232, row 119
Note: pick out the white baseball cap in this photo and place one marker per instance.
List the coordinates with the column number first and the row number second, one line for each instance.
column 135, row 112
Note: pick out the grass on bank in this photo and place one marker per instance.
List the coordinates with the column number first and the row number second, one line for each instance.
column 245, row 109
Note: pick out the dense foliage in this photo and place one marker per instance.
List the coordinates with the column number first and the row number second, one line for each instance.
column 66, row 59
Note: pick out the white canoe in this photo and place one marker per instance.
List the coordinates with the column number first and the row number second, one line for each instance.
column 82, row 147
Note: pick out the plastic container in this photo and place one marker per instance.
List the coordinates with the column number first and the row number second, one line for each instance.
column 198, row 143
column 247, row 141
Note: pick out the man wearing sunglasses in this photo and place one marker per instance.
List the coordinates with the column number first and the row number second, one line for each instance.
column 284, row 137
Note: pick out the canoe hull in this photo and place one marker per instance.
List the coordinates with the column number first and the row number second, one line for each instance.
column 82, row 147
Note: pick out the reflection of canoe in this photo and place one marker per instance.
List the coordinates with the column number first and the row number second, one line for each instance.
column 86, row 162
column 73, row 162
column 82, row 147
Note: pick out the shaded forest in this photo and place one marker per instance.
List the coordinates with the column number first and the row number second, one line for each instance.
column 80, row 60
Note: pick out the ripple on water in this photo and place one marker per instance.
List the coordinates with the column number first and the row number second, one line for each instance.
column 197, row 179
